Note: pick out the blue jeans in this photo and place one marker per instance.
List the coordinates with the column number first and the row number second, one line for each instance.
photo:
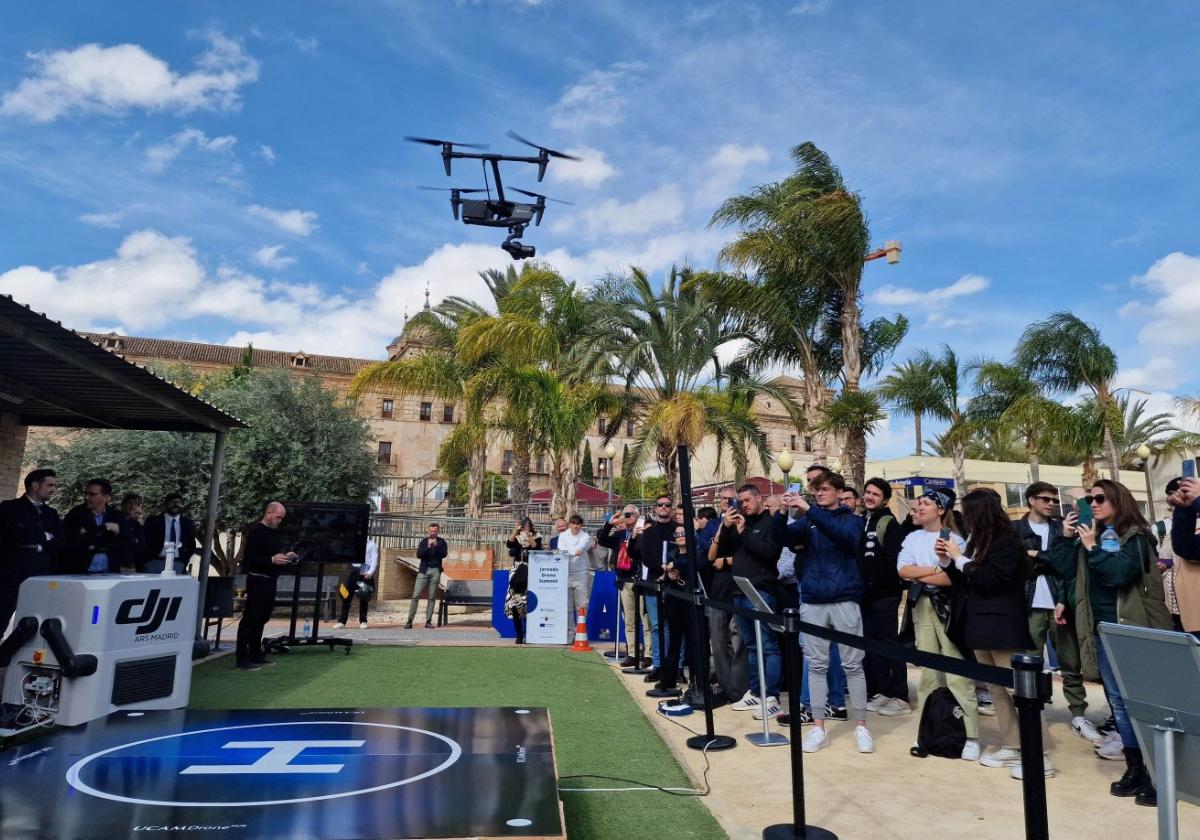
column 835, row 679
column 1115, row 700
column 772, row 655
column 652, row 612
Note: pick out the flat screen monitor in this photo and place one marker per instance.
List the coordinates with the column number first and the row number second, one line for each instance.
column 326, row 532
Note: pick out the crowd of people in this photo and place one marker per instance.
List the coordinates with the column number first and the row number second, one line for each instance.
column 956, row 577
column 95, row 537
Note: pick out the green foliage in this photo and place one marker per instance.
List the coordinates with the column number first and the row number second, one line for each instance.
column 586, row 473
column 631, row 487
column 303, row 443
column 495, row 489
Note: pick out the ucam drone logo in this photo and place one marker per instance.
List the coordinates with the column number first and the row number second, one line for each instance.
column 153, row 614
column 297, row 761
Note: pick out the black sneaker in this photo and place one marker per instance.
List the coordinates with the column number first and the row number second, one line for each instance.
column 628, row 662
column 836, row 713
column 1108, row 726
column 786, row 720
column 408, row 625
column 249, row 666
column 653, row 676
column 428, row 625
column 647, row 662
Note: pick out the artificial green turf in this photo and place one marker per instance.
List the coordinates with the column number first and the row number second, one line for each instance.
column 597, row 726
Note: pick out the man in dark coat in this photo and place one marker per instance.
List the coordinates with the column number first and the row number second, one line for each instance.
column 172, row 525
column 30, row 537
column 96, row 534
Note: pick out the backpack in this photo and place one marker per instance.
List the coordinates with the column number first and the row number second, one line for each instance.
column 942, row 731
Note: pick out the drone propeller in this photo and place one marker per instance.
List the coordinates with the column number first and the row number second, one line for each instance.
column 540, row 207
column 430, row 141
column 543, row 153
column 454, row 189
column 539, row 195
column 447, row 148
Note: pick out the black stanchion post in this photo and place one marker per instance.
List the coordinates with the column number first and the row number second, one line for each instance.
column 618, row 619
column 1031, row 690
column 661, row 601
column 637, row 633
column 709, row 741
column 798, row 828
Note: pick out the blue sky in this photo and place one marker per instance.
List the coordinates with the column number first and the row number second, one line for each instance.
column 235, row 171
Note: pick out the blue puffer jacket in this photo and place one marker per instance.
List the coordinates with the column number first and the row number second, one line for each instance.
column 830, row 556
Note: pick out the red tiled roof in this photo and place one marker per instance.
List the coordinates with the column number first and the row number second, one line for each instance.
column 222, row 354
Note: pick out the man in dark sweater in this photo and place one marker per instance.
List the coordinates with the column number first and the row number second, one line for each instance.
column 30, row 537
column 262, row 560
column 431, row 551
column 887, row 679
column 96, row 534
column 746, row 536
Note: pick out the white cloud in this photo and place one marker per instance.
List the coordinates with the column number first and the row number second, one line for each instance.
column 297, row 222
column 1158, row 373
column 95, row 78
column 655, row 210
column 968, row 284
column 811, row 7
column 599, row 99
column 269, row 256
column 892, row 439
column 593, row 170
column 158, row 157
column 1173, row 283
column 103, row 220
column 265, row 152
column 725, row 168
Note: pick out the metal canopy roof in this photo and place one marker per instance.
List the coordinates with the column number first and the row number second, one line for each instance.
column 50, row 376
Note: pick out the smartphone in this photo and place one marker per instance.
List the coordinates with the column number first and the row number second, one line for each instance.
column 641, row 523
column 1189, row 468
column 944, row 534
column 794, row 488
column 1085, row 512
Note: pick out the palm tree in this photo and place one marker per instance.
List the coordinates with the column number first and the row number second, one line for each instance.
column 946, row 377
column 1063, row 354
column 910, row 390
column 667, row 346
column 851, row 410
column 810, row 228
column 1007, row 402
column 1157, row 431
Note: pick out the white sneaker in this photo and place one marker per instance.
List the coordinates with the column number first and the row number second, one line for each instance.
column 1047, row 769
column 877, row 702
column 1003, row 757
column 1084, row 729
column 863, row 739
column 362, row 625
column 749, row 702
column 1111, row 750
column 816, row 739
column 970, row 751
column 894, row 707
column 338, row 626
column 772, row 711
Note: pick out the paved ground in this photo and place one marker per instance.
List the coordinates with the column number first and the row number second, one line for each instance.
column 891, row 794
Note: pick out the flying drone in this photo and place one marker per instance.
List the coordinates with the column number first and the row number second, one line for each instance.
column 497, row 210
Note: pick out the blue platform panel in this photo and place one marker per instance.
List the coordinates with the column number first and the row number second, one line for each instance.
column 333, row 774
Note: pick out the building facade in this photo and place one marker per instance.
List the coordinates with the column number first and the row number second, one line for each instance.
column 409, row 430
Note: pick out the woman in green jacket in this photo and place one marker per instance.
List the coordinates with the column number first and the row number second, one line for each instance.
column 1121, row 585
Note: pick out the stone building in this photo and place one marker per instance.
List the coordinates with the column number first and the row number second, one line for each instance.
column 409, row 430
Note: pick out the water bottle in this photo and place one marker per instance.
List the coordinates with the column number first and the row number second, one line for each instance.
column 1109, row 541
column 307, row 627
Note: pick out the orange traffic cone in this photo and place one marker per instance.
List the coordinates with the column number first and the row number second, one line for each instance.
column 581, row 639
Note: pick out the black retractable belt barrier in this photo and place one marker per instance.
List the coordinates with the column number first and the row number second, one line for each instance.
column 798, row 828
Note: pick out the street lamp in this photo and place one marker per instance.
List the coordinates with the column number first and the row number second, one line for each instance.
column 609, row 452
column 785, row 461
column 1144, row 453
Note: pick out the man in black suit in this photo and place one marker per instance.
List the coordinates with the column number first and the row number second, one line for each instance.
column 30, row 536
column 170, row 526
column 96, row 534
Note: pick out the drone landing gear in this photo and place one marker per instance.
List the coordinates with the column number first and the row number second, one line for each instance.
column 513, row 245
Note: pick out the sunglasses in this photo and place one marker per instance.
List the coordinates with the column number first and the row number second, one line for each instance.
column 1098, row 499
column 680, row 535
column 629, row 515
column 662, row 504
column 1050, row 500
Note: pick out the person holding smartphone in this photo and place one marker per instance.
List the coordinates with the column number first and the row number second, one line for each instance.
column 616, row 536
column 991, row 572
column 930, row 605
column 1184, row 499
column 1117, row 581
